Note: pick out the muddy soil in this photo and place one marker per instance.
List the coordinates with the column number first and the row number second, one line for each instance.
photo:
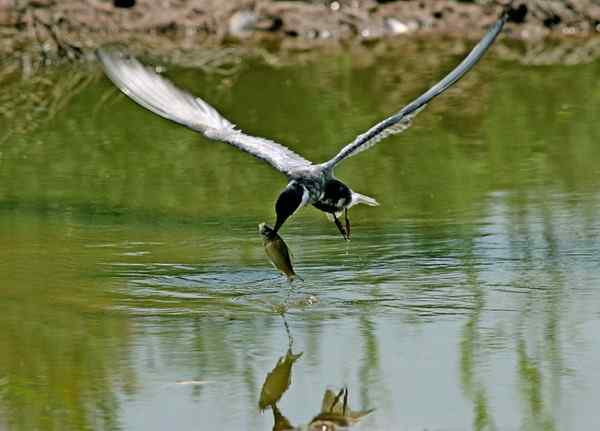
column 177, row 29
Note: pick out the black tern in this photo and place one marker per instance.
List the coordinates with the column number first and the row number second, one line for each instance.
column 308, row 183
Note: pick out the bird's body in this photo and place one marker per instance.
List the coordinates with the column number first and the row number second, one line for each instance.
column 308, row 183
column 336, row 197
column 326, row 192
column 321, row 189
column 313, row 178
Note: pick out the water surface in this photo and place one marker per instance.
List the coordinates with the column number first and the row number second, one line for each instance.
column 135, row 293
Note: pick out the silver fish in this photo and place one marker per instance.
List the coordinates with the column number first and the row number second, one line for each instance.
column 277, row 251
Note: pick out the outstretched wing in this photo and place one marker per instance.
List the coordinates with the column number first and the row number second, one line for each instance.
column 402, row 120
column 160, row 96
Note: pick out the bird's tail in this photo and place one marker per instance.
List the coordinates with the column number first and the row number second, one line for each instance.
column 357, row 198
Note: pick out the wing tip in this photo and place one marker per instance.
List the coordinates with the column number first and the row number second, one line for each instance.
column 105, row 54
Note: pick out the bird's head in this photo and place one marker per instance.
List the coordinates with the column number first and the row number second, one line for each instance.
column 291, row 199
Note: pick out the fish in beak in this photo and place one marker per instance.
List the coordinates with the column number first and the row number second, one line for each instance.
column 277, row 251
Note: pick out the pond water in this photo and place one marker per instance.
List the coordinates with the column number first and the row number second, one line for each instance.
column 135, row 293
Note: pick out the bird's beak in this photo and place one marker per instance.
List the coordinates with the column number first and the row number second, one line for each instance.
column 278, row 223
column 286, row 206
column 289, row 201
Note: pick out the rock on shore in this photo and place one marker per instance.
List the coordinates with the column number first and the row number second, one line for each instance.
column 70, row 27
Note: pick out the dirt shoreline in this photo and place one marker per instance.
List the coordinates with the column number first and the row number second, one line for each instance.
column 178, row 30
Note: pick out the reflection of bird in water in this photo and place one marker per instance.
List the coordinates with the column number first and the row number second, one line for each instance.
column 308, row 183
column 278, row 380
column 334, row 412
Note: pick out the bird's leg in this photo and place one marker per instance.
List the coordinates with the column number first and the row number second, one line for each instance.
column 340, row 227
column 347, row 222
column 335, row 400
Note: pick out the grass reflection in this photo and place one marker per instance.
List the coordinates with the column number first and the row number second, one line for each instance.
column 55, row 371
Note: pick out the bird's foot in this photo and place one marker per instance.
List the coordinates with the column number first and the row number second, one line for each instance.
column 341, row 228
column 347, row 223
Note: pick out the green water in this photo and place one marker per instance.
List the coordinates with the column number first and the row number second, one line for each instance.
column 130, row 259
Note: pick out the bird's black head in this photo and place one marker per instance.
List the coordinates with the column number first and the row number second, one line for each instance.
column 288, row 202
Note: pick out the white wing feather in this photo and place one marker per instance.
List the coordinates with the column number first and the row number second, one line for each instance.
column 160, row 96
column 402, row 119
